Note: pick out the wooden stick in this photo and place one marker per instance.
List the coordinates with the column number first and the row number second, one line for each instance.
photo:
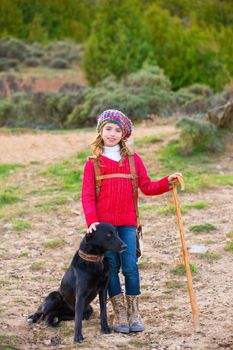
column 185, row 255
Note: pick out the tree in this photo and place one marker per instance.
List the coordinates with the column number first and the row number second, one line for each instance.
column 188, row 53
column 118, row 42
column 36, row 30
column 11, row 21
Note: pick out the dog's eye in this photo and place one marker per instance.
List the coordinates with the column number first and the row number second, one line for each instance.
column 109, row 234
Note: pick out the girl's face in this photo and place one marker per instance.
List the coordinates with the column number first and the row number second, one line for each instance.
column 111, row 134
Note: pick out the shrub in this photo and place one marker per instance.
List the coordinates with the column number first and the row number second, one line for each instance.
column 40, row 110
column 144, row 92
column 198, row 135
column 32, row 62
column 199, row 90
column 13, row 48
column 4, row 65
column 59, row 63
column 7, row 112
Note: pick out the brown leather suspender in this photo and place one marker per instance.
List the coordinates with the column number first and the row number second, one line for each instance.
column 132, row 176
column 135, row 186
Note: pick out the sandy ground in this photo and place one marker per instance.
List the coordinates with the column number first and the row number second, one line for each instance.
column 166, row 311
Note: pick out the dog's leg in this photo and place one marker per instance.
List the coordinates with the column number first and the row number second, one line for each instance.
column 35, row 317
column 88, row 311
column 79, row 308
column 49, row 306
column 103, row 311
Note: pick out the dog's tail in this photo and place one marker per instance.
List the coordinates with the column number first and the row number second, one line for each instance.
column 48, row 310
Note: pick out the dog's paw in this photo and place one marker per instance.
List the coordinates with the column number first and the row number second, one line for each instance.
column 30, row 320
column 106, row 330
column 78, row 338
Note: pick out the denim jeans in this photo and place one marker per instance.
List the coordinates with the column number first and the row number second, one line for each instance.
column 127, row 262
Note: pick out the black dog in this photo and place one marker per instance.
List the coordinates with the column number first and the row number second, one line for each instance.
column 86, row 277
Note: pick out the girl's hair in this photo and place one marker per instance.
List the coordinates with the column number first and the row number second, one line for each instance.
column 97, row 147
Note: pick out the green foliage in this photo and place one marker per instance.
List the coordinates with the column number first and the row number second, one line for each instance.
column 44, row 20
column 210, row 256
column 6, row 169
column 146, row 91
column 44, row 110
column 181, row 271
column 171, row 209
column 194, row 166
column 21, row 225
column 37, row 265
column 230, row 234
column 174, row 284
column 8, row 196
column 187, row 52
column 118, row 42
column 54, row 243
column 229, row 247
column 148, row 139
column 70, row 176
column 16, row 53
column 202, row 228
column 36, row 30
column 190, row 40
column 59, row 63
column 83, row 155
column 53, row 204
column 197, row 135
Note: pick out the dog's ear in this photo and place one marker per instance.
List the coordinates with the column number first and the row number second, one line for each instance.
column 89, row 236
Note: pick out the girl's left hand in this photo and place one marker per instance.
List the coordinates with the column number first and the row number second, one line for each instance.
column 173, row 178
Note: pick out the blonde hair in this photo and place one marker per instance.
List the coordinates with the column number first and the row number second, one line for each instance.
column 97, row 147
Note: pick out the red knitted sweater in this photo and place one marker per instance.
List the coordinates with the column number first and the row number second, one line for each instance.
column 115, row 203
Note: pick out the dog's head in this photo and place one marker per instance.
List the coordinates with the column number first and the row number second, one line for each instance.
column 105, row 238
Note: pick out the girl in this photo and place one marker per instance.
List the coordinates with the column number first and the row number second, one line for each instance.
column 115, row 205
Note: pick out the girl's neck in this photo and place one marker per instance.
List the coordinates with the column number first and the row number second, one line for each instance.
column 113, row 153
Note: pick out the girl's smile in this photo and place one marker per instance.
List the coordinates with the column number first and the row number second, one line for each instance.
column 111, row 134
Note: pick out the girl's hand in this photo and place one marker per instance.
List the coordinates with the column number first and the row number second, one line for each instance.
column 173, row 178
column 92, row 227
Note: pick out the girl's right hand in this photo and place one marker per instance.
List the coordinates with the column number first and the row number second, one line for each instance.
column 92, row 227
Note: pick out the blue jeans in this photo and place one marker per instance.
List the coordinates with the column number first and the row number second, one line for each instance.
column 127, row 261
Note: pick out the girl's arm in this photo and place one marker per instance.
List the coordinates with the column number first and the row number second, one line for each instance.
column 88, row 194
column 146, row 185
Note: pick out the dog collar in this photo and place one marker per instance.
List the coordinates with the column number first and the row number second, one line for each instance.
column 89, row 257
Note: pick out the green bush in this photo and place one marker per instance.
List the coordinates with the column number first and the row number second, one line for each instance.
column 187, row 52
column 139, row 94
column 118, row 42
column 40, row 110
column 59, row 63
column 7, row 112
column 32, row 62
column 198, row 135
column 13, row 48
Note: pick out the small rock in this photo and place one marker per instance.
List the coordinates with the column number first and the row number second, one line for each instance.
column 8, row 226
column 198, row 249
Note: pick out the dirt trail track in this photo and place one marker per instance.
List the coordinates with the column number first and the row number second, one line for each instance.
column 166, row 310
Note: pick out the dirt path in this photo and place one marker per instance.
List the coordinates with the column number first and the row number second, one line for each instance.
column 29, row 270
column 44, row 147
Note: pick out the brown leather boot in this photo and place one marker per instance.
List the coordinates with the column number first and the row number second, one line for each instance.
column 120, row 321
column 135, row 321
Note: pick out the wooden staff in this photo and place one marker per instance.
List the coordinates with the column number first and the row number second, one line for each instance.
column 185, row 255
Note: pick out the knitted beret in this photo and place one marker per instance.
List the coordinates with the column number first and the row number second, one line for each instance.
column 116, row 117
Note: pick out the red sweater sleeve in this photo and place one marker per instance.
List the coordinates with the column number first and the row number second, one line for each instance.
column 88, row 194
column 146, row 185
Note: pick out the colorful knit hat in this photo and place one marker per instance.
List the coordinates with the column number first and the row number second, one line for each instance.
column 117, row 117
